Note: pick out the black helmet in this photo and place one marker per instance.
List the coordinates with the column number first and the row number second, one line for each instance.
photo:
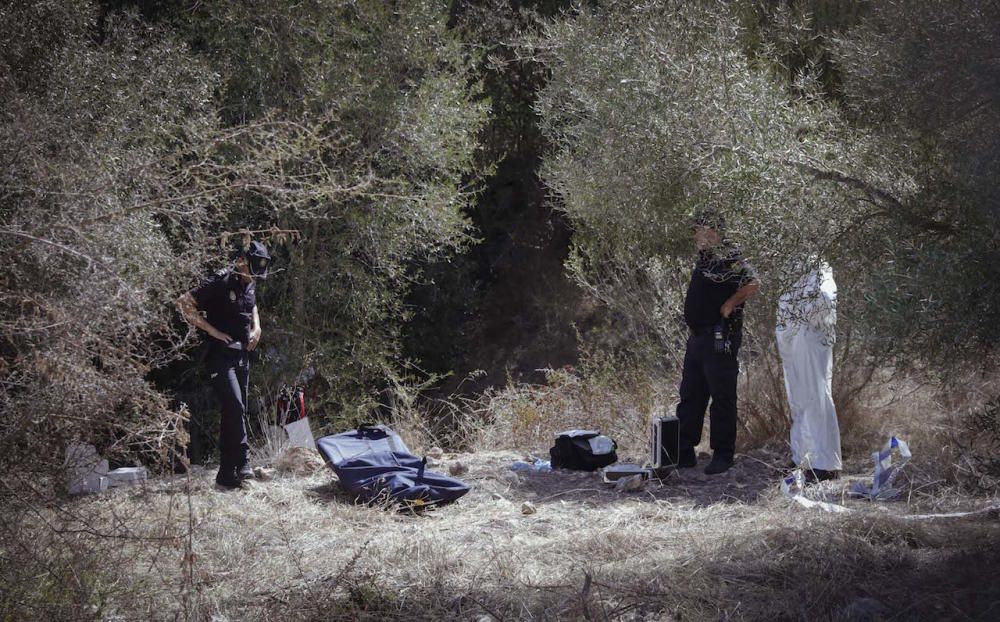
column 257, row 259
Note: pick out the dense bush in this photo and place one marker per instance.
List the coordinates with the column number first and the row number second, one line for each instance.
column 654, row 111
column 921, row 80
column 355, row 125
column 133, row 147
column 94, row 238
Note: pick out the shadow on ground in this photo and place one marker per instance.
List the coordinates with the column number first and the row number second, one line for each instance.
column 844, row 570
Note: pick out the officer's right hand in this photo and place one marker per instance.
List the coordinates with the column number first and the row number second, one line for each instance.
column 727, row 309
column 223, row 337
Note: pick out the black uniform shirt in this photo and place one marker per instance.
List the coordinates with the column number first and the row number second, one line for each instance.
column 228, row 303
column 717, row 274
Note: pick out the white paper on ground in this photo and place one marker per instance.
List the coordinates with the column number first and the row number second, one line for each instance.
column 820, row 505
column 793, row 487
column 300, row 434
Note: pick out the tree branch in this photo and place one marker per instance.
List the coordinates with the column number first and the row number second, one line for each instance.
column 878, row 195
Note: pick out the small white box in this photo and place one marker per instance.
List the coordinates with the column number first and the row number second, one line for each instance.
column 620, row 471
column 127, row 476
column 92, row 483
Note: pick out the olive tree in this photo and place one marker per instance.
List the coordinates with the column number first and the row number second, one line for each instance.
column 655, row 111
column 924, row 79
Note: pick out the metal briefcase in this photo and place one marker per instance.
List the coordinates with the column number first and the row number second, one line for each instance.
column 664, row 442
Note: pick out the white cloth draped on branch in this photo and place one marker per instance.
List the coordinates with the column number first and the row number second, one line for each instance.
column 807, row 317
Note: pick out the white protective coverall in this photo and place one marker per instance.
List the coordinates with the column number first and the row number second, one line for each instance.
column 807, row 317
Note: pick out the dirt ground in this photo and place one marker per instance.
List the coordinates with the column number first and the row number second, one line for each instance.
column 756, row 477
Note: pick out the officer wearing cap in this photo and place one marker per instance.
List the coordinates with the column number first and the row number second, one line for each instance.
column 721, row 282
column 225, row 307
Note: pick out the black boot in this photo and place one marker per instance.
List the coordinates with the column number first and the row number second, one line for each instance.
column 721, row 462
column 687, row 459
column 226, row 478
column 244, row 472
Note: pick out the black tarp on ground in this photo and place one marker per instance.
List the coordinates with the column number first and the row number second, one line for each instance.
column 374, row 463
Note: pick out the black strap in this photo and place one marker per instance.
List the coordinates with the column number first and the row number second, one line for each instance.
column 420, row 471
column 371, row 430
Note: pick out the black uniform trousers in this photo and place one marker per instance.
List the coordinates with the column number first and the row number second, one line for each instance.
column 229, row 370
column 709, row 375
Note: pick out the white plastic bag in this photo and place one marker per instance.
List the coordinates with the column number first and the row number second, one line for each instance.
column 86, row 471
column 793, row 486
column 300, row 434
column 885, row 472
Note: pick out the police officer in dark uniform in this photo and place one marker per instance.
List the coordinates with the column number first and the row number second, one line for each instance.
column 228, row 301
column 721, row 281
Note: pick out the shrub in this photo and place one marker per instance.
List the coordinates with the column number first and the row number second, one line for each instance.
column 356, row 126
column 978, row 442
column 94, row 243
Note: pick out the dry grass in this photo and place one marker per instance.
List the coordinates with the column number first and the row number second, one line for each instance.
column 530, row 417
column 691, row 547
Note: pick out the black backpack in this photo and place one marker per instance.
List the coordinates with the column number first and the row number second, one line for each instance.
column 574, row 450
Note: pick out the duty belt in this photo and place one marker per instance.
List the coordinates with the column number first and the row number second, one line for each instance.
column 700, row 331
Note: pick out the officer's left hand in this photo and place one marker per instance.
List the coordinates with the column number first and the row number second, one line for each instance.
column 727, row 309
column 254, row 338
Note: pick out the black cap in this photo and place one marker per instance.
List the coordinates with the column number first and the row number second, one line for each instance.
column 709, row 217
column 258, row 259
